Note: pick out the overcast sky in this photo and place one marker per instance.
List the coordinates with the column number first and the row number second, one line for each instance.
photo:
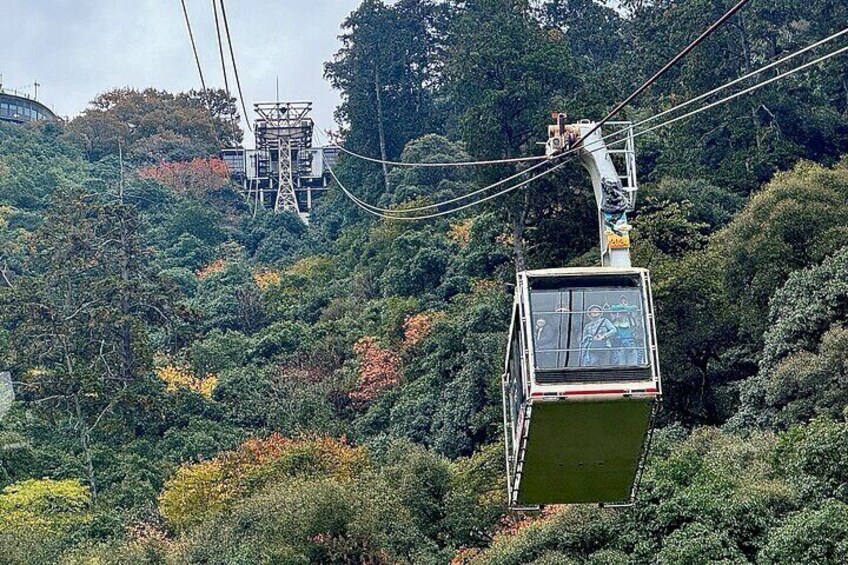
column 77, row 49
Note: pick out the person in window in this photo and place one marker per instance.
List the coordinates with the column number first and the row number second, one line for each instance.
column 598, row 334
column 634, row 318
column 625, row 305
column 626, row 352
column 546, row 338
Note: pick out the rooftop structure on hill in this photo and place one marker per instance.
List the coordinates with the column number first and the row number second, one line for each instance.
column 19, row 108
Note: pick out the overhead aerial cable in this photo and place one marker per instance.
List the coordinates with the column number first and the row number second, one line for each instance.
column 598, row 125
column 378, row 212
column 747, row 90
column 365, row 206
column 457, row 198
column 642, row 122
column 235, row 66
column 728, row 84
column 706, row 33
column 718, row 89
column 224, row 66
column 438, row 164
column 200, row 73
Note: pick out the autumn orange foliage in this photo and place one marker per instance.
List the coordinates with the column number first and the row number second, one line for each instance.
column 511, row 524
column 198, row 490
column 507, row 239
column 418, row 326
column 485, row 285
column 465, row 555
column 460, row 232
column 215, row 266
column 379, row 370
column 191, row 178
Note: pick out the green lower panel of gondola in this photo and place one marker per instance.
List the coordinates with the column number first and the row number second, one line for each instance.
column 583, row 451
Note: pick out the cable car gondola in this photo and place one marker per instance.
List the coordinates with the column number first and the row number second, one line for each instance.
column 581, row 384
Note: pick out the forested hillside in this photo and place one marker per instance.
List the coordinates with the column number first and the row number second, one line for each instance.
column 197, row 381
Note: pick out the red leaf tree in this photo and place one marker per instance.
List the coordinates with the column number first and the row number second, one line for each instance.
column 192, row 178
column 379, row 370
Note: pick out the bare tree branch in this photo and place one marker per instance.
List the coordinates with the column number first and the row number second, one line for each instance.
column 5, row 277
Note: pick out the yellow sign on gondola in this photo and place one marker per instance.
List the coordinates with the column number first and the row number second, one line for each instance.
column 618, row 241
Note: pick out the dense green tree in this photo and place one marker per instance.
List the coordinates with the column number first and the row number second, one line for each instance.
column 368, row 352
column 813, row 458
column 503, row 73
column 810, row 536
column 80, row 315
column 743, row 143
column 594, row 31
column 33, row 166
column 796, row 221
column 41, row 519
column 696, row 327
column 429, row 184
column 229, row 298
column 707, row 204
column 272, row 238
column 387, row 71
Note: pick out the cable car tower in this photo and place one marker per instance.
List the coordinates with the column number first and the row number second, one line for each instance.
column 581, row 383
column 284, row 172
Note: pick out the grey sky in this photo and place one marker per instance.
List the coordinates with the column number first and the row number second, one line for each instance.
column 79, row 48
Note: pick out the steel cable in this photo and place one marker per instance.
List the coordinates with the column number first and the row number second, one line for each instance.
column 378, row 212
column 235, row 66
column 706, row 33
column 200, row 72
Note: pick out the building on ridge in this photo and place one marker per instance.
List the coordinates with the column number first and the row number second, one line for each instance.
column 18, row 108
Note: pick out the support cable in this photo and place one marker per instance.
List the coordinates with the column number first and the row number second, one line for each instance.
column 445, row 164
column 224, row 67
column 365, row 206
column 374, row 211
column 706, row 33
column 618, row 132
column 457, row 198
column 200, row 72
column 746, row 91
column 735, row 81
column 235, row 66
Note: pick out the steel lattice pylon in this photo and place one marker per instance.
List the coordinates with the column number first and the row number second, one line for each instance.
column 284, row 172
column 286, row 199
column 284, row 131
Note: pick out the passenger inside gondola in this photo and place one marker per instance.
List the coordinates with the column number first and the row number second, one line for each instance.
column 577, row 327
column 627, row 352
column 598, row 335
column 546, row 336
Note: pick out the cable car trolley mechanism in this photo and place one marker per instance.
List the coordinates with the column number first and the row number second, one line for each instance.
column 581, row 383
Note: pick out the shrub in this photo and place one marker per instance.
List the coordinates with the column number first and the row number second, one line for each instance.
column 203, row 489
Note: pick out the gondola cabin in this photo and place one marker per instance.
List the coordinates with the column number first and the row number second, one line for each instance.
column 581, row 385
